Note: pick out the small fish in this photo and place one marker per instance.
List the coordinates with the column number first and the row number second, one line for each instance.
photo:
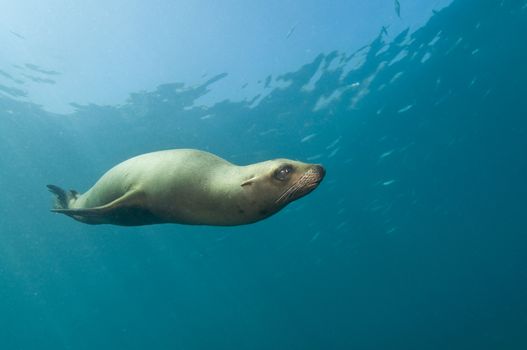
column 332, row 154
column 291, row 30
column 388, row 183
column 386, row 154
column 341, row 225
column 307, row 138
column 398, row 8
column 391, row 230
column 17, row 35
column 404, row 109
column 315, row 236
column 384, row 30
column 267, row 132
column 334, row 143
column 315, row 157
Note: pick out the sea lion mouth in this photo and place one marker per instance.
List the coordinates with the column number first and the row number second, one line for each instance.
column 304, row 185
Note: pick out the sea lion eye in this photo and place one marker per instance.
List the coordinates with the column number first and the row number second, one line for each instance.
column 283, row 173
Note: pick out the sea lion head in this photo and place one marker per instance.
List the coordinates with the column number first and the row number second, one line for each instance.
column 275, row 183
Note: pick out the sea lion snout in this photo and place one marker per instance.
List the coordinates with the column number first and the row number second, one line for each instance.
column 314, row 175
column 319, row 169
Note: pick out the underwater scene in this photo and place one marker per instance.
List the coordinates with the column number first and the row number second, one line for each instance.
column 414, row 238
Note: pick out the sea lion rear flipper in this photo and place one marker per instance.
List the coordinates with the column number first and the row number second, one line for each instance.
column 126, row 200
column 63, row 198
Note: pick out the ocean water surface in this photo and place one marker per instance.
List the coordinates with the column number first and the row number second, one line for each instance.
column 416, row 239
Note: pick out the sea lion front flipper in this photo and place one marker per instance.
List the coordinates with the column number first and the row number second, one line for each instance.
column 128, row 199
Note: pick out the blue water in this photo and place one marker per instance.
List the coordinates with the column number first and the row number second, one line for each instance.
column 416, row 239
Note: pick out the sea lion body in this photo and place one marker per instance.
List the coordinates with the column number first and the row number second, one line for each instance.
column 188, row 186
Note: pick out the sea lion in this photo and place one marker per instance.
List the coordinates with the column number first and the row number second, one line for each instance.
column 187, row 186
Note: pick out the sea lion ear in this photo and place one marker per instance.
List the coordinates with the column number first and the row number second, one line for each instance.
column 249, row 182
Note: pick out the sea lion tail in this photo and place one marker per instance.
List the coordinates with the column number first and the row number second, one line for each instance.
column 63, row 198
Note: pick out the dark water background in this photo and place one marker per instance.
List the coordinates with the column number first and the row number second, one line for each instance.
column 415, row 240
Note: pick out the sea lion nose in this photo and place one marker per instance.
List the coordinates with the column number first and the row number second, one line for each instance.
column 320, row 170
